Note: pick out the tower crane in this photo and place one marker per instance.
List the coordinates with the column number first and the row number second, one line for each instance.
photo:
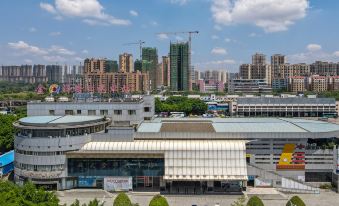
column 140, row 43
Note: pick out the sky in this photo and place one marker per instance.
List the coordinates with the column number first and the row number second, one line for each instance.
column 230, row 31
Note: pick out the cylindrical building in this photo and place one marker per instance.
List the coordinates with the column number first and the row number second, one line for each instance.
column 42, row 141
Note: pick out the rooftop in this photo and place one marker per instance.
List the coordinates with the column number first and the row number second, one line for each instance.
column 7, row 158
column 58, row 120
column 288, row 100
column 237, row 125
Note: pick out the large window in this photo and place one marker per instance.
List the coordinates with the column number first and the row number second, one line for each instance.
column 68, row 112
column 103, row 112
column 117, row 112
column 116, row 167
column 132, row 112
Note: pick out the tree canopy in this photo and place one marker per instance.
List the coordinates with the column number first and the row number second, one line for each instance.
column 27, row 195
column 7, row 132
column 122, row 200
column 295, row 201
column 255, row 201
column 158, row 200
column 181, row 104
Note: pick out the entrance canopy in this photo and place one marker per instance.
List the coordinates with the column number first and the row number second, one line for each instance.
column 185, row 160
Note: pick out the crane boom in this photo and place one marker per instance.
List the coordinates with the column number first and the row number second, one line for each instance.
column 140, row 43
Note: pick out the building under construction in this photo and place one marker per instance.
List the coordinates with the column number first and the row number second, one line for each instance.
column 179, row 65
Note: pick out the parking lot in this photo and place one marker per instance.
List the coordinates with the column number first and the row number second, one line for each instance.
column 325, row 198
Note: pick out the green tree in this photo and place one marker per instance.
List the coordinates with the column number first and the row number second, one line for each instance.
column 158, row 200
column 122, row 200
column 295, row 201
column 7, row 132
column 241, row 201
column 27, row 195
column 255, row 201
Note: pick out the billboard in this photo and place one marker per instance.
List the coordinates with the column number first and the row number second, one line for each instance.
column 118, row 183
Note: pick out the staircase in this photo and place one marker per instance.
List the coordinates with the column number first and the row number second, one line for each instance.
column 288, row 184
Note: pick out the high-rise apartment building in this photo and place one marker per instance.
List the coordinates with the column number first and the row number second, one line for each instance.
column 166, row 70
column 23, row 73
column 150, row 55
column 324, row 68
column 256, row 71
column 126, row 62
column 179, row 66
column 318, row 83
column 258, row 58
column 297, row 84
column 55, row 73
column 276, row 61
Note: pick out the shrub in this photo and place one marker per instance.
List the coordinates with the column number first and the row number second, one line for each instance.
column 158, row 200
column 122, row 200
column 325, row 186
column 295, row 201
column 255, row 201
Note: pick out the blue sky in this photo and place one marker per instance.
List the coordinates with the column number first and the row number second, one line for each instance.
column 67, row 31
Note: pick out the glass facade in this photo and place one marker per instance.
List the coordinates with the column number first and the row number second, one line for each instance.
column 116, row 167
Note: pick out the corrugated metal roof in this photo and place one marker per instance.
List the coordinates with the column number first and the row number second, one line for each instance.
column 7, row 158
column 267, row 100
column 241, row 125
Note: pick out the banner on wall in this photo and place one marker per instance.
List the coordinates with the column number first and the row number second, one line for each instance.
column 118, row 183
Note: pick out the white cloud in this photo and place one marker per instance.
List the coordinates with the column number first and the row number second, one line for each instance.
column 60, row 50
column 55, row 33
column 90, row 10
column 228, row 40
column 162, row 36
column 180, row 2
column 133, row 13
column 214, row 37
column 314, row 52
column 154, row 23
column 253, row 34
column 313, row 47
column 219, row 51
column 32, row 29
column 23, row 47
column 79, row 59
column 48, row 7
column 271, row 15
column 54, row 59
column 85, row 51
column 28, row 61
column 218, row 62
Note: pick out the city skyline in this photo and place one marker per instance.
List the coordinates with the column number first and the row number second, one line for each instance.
column 67, row 32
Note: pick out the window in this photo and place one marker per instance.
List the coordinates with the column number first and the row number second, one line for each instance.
column 51, row 112
column 91, row 112
column 103, row 112
column 78, row 111
column 132, row 112
column 68, row 112
column 117, row 112
column 147, row 109
column 147, row 118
